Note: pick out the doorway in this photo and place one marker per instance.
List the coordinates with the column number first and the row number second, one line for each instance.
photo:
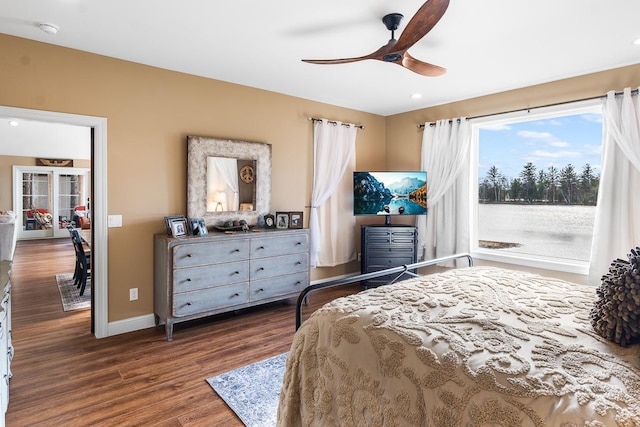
column 98, row 126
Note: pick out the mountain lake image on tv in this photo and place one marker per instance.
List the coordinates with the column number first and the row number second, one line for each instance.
column 390, row 193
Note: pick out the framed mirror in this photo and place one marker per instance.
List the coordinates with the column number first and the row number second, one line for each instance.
column 227, row 180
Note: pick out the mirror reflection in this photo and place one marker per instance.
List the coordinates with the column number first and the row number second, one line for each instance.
column 230, row 184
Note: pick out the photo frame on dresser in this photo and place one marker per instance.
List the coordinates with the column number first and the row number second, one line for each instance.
column 179, row 227
column 198, row 227
column 269, row 221
column 295, row 219
column 168, row 220
column 282, row 220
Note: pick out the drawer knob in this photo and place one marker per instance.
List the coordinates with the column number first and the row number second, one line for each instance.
column 235, row 295
column 298, row 243
column 261, row 290
column 188, row 279
column 298, row 263
column 261, row 269
column 188, row 255
column 188, row 303
column 235, row 250
column 236, row 272
column 260, row 247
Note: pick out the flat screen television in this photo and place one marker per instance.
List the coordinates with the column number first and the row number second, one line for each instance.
column 390, row 193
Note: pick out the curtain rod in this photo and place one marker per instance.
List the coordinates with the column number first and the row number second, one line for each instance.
column 314, row 119
column 633, row 92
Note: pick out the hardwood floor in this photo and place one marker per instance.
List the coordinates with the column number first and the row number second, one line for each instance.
column 64, row 376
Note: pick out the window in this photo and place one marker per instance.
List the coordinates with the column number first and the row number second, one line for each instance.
column 537, row 179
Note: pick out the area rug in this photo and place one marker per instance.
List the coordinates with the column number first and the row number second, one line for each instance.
column 252, row 391
column 70, row 294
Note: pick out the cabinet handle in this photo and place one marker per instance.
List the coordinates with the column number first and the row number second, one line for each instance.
column 298, row 243
column 235, row 250
column 235, row 272
column 261, row 290
column 298, row 283
column 261, row 269
column 188, row 303
column 298, row 263
column 260, row 247
column 188, row 255
column 235, row 295
column 188, row 279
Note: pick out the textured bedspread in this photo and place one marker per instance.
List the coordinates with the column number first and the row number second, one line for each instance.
column 468, row 347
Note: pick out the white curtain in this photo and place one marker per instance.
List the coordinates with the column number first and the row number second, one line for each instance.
column 617, row 222
column 446, row 159
column 222, row 177
column 331, row 219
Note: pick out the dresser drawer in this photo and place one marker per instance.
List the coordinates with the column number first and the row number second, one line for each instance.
column 190, row 279
column 375, row 264
column 267, row 247
column 210, row 299
column 211, row 252
column 262, row 268
column 276, row 286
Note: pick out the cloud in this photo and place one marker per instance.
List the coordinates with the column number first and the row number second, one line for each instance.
column 534, row 135
column 592, row 117
column 556, row 154
column 560, row 144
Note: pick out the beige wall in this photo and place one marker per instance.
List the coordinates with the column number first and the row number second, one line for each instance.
column 151, row 111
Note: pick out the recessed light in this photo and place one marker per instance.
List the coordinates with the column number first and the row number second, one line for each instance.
column 13, row 123
column 416, row 96
column 48, row 28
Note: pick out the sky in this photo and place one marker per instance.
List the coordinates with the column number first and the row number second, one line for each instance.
column 558, row 141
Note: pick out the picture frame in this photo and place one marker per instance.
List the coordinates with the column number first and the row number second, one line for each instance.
column 169, row 219
column 179, row 227
column 198, row 227
column 295, row 219
column 282, row 220
column 269, row 221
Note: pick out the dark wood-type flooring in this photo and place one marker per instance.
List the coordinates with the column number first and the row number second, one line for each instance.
column 64, row 376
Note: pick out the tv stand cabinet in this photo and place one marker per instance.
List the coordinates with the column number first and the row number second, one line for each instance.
column 386, row 246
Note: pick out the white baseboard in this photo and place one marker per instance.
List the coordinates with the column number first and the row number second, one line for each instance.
column 132, row 324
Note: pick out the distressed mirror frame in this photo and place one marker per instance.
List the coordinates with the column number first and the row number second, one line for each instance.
column 201, row 147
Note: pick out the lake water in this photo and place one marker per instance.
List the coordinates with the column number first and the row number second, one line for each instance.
column 555, row 231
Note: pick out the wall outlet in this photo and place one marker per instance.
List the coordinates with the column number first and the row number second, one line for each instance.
column 133, row 294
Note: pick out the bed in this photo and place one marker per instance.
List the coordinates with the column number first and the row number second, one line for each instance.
column 466, row 347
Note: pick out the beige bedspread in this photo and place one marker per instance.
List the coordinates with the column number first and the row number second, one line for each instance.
column 468, row 347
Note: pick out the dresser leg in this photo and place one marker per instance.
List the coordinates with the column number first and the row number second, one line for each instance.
column 168, row 328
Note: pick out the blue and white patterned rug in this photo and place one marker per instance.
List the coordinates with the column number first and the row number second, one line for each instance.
column 70, row 294
column 253, row 391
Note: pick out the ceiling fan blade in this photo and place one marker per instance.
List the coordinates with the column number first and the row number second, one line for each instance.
column 421, row 23
column 378, row 54
column 420, row 67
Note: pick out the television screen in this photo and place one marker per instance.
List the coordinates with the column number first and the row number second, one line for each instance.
column 390, row 193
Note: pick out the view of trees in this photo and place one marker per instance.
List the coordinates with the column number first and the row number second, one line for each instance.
column 554, row 186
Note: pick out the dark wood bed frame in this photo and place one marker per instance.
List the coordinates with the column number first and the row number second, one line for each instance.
column 400, row 270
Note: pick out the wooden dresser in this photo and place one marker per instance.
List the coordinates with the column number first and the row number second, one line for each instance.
column 199, row 276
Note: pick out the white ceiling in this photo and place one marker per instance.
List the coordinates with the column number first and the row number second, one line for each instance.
column 487, row 46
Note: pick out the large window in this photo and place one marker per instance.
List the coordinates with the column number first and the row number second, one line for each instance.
column 537, row 182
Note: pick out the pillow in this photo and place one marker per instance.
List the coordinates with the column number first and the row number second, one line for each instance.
column 616, row 313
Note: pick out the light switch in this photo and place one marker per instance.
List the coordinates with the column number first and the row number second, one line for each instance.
column 115, row 220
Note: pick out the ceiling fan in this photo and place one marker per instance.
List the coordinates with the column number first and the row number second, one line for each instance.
column 395, row 51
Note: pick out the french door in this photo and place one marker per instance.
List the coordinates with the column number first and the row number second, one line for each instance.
column 45, row 199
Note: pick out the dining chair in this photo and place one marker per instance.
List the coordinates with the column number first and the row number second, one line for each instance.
column 83, row 262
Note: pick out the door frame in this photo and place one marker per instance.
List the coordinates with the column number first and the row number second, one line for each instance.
column 100, row 244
